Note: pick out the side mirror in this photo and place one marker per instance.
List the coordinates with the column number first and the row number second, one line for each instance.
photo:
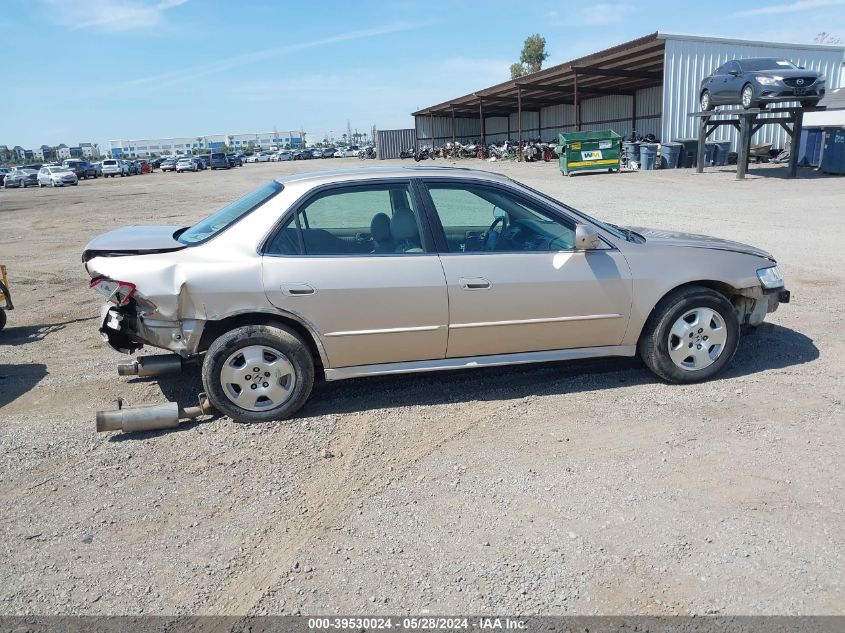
column 586, row 238
column 499, row 213
column 734, row 72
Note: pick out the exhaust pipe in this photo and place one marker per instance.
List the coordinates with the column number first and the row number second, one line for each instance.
column 150, row 418
column 157, row 365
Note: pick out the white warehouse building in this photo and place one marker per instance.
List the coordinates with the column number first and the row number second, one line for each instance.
column 143, row 148
column 650, row 85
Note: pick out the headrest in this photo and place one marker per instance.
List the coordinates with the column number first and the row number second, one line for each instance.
column 380, row 227
column 403, row 226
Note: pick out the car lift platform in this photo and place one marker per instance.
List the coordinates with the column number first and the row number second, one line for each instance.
column 746, row 122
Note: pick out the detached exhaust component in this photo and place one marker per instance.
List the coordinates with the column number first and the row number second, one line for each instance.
column 157, row 365
column 150, row 418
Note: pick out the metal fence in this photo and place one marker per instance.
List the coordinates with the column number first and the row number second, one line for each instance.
column 390, row 142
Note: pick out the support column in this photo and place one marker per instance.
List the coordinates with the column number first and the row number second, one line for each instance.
column 634, row 111
column 744, row 143
column 702, row 138
column 795, row 142
column 453, row 125
column 519, row 122
column 577, row 105
column 481, row 119
column 431, row 128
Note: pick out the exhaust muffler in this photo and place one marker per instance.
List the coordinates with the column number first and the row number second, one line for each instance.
column 150, row 418
column 156, row 365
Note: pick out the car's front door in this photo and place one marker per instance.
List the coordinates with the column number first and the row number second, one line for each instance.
column 354, row 262
column 515, row 281
column 733, row 84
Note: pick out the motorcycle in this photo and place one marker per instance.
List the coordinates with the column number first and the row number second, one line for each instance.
column 367, row 152
column 407, row 153
column 423, row 154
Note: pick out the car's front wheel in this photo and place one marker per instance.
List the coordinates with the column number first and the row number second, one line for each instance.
column 691, row 336
column 747, row 96
column 258, row 373
column 706, row 102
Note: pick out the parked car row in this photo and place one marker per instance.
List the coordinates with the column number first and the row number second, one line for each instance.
column 215, row 160
column 302, row 154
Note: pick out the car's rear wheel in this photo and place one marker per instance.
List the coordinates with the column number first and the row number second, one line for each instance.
column 706, row 103
column 747, row 96
column 691, row 336
column 258, row 373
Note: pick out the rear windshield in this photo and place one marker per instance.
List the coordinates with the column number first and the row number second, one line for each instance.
column 109, row 162
column 229, row 214
column 218, row 155
column 766, row 64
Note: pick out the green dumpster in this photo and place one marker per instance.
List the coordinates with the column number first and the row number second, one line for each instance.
column 584, row 151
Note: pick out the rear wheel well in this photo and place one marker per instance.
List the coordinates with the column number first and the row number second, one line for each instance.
column 214, row 329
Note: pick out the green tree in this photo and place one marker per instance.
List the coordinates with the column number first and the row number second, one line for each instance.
column 517, row 70
column 532, row 57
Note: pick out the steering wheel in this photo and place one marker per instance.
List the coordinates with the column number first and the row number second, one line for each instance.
column 491, row 237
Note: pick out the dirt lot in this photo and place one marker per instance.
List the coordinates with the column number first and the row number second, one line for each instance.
column 573, row 488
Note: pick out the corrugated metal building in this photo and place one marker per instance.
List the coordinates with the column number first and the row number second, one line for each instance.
column 649, row 85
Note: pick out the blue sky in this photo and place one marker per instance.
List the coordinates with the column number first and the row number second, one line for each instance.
column 93, row 70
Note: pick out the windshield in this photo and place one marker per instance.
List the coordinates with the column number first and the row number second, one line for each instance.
column 229, row 214
column 766, row 64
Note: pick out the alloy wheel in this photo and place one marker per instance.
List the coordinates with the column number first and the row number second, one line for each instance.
column 747, row 96
column 697, row 339
column 257, row 378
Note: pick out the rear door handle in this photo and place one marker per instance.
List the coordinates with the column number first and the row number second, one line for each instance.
column 474, row 283
column 297, row 290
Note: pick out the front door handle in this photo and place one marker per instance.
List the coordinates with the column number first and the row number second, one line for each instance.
column 297, row 290
column 474, row 283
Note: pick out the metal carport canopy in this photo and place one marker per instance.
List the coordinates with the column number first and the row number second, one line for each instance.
column 622, row 69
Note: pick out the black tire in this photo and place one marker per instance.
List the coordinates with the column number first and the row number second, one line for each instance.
column 653, row 345
column 280, row 339
column 752, row 103
column 2, row 318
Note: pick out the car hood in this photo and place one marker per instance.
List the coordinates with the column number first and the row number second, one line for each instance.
column 691, row 240
column 787, row 72
column 133, row 240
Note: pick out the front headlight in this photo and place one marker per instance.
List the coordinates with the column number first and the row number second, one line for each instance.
column 770, row 277
column 768, row 81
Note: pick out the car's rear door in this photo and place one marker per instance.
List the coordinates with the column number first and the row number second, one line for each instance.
column 371, row 300
column 515, row 281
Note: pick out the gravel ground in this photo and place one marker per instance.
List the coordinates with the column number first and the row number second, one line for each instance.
column 567, row 488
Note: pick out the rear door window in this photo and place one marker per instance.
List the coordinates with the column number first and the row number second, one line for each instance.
column 359, row 220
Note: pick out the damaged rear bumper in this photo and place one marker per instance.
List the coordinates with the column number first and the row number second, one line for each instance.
column 127, row 331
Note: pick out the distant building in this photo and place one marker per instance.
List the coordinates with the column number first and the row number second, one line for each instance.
column 140, row 148
column 45, row 153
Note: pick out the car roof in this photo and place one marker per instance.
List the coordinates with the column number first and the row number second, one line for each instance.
column 369, row 173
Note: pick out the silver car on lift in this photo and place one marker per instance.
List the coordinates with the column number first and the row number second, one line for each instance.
column 334, row 275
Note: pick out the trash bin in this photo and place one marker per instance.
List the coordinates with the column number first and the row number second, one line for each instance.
column 670, row 155
column 810, row 147
column 720, row 155
column 689, row 152
column 709, row 152
column 631, row 151
column 833, row 155
column 648, row 155
column 584, row 151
